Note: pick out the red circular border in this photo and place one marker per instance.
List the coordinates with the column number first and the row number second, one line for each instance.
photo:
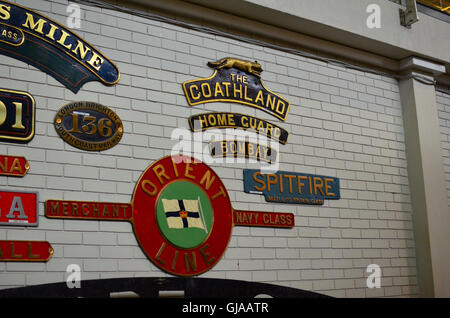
column 157, row 248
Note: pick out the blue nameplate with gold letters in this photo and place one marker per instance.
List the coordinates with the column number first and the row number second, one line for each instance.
column 291, row 187
column 39, row 41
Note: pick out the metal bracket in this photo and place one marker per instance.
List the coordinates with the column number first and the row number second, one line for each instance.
column 409, row 15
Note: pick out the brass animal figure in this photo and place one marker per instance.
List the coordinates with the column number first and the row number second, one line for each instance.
column 245, row 66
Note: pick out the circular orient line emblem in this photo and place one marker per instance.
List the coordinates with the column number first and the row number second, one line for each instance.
column 182, row 215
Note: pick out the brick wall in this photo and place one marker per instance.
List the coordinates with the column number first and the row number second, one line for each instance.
column 342, row 123
column 443, row 104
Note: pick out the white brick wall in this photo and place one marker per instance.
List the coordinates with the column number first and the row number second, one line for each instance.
column 443, row 104
column 342, row 123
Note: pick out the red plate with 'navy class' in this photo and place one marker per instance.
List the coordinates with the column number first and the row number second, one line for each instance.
column 182, row 215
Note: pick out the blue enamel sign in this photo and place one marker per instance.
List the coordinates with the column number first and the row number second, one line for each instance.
column 39, row 41
column 291, row 187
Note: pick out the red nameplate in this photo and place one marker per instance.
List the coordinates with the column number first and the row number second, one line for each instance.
column 88, row 210
column 19, row 208
column 25, row 251
column 267, row 219
column 13, row 166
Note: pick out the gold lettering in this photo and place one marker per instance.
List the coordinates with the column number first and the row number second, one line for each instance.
column 105, row 211
column 74, row 208
column 241, row 148
column 224, row 147
column 245, row 94
column 221, row 119
column 51, row 32
column 207, row 177
column 270, row 102
column 263, row 185
column 250, row 148
column 328, row 187
column 161, row 249
column 4, row 12
column 259, row 154
column 2, row 113
column 12, row 252
column 190, row 262
column 266, row 152
column 290, row 177
column 277, row 221
column 16, row 166
column 159, row 171
column 318, row 185
column 289, row 219
column 85, row 209
column 300, row 184
column 310, row 185
column 96, row 61
column 63, row 39
column 203, row 121
column 259, row 97
column 30, row 255
column 65, row 208
column 18, row 123
column 269, row 181
column 191, row 88
column 189, row 169
column 206, row 94
column 174, row 261
column 124, row 209
column 232, row 147
column 260, row 126
column 231, row 119
column 269, row 129
column 280, row 102
column 95, row 210
column 281, row 183
column 218, row 90
column 239, row 217
column 244, row 121
column 205, row 255
column 175, row 169
column 36, row 26
column 115, row 211
column 220, row 193
column 227, row 86
column 276, row 132
column 4, row 165
column 81, row 49
column 54, row 208
column 147, row 191
column 235, row 90
column 211, row 120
